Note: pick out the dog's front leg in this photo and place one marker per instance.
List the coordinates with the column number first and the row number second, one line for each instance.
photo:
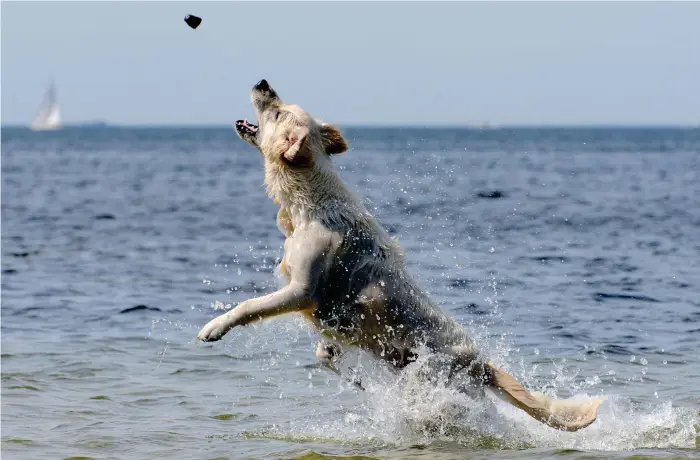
column 307, row 255
column 291, row 298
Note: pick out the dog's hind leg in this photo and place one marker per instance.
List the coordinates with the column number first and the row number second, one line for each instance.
column 562, row 414
column 565, row 415
column 327, row 353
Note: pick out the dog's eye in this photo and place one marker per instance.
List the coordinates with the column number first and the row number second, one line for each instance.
column 275, row 115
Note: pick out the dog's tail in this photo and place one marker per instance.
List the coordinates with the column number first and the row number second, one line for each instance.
column 565, row 415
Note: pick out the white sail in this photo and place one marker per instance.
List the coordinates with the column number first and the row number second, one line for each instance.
column 49, row 117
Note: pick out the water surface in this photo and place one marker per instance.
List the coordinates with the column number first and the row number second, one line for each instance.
column 572, row 255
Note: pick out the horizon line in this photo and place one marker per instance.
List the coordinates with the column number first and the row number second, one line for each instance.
column 480, row 127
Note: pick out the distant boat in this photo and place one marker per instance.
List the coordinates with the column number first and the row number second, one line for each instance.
column 49, row 117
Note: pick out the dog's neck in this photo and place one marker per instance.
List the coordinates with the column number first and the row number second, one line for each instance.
column 309, row 194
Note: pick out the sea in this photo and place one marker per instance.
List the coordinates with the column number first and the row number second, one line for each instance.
column 571, row 255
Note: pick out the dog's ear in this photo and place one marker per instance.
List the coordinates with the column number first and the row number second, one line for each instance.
column 296, row 139
column 333, row 141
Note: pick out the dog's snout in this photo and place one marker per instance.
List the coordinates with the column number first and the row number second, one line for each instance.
column 262, row 85
column 263, row 95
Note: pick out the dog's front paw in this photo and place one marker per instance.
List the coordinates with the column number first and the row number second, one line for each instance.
column 215, row 329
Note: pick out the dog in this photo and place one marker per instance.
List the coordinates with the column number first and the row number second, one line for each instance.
column 347, row 276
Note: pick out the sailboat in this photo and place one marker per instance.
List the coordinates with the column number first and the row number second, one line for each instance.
column 49, row 117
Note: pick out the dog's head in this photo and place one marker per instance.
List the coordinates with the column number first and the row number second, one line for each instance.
column 286, row 133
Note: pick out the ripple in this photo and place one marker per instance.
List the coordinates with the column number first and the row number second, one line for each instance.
column 491, row 194
column 139, row 308
column 105, row 216
column 600, row 296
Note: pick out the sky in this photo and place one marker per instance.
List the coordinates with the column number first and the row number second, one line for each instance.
column 356, row 63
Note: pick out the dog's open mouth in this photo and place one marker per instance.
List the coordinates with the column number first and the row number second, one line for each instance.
column 244, row 127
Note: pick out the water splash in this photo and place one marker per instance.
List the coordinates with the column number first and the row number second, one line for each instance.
column 419, row 406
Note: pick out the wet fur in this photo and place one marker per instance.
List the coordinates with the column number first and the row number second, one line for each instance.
column 347, row 276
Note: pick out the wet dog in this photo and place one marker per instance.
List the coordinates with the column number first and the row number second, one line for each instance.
column 344, row 273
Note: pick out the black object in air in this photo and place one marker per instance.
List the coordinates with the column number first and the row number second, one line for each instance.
column 193, row 21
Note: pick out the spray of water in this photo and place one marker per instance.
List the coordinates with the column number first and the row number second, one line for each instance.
column 420, row 406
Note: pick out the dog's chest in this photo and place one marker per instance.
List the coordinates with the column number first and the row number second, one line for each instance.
column 366, row 323
column 284, row 267
column 364, row 318
column 284, row 270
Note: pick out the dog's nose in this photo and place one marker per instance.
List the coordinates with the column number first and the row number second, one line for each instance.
column 262, row 85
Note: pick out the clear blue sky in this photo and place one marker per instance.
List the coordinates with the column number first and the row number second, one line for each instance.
column 356, row 62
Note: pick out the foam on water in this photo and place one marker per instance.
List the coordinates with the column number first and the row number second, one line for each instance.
column 417, row 406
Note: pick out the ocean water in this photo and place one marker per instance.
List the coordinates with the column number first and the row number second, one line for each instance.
column 572, row 255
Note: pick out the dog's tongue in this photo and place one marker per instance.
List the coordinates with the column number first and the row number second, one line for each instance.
column 246, row 124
